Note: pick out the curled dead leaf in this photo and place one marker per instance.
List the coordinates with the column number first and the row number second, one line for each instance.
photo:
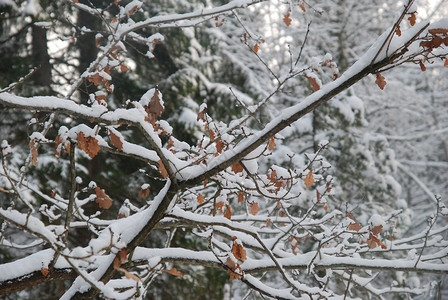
column 237, row 168
column 309, row 179
column 115, row 140
column 238, row 251
column 144, row 193
column 256, row 48
column 88, row 144
column 175, row 272
column 162, row 169
column 271, row 144
column 314, row 83
column 211, row 133
column 377, row 229
column 34, row 153
column 355, row 227
column 228, row 213
column 412, row 19
column 201, row 114
column 398, row 30
column 219, row 145
column 103, row 200
column 124, row 68
column 287, row 19
column 254, row 208
column 435, row 31
column 422, row 66
column 380, row 81
column 200, row 198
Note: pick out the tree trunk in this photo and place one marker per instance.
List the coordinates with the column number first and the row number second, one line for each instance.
column 41, row 58
column 87, row 51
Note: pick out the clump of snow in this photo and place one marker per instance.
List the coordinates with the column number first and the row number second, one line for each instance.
column 402, row 204
column 441, row 24
column 92, row 184
column 188, row 117
column 165, row 126
column 8, row 3
column 32, row 8
column 133, row 5
column 6, row 148
column 203, row 107
column 38, row 137
column 376, row 220
column 43, row 24
column 124, row 211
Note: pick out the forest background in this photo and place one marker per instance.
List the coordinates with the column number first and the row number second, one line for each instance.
column 223, row 149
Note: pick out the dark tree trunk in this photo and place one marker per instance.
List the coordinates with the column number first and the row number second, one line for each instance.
column 41, row 58
column 87, row 51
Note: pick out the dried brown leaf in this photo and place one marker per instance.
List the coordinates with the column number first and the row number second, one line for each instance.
column 219, row 145
column 377, row 229
column 122, row 254
column 309, row 179
column 162, row 169
column 271, row 144
column 211, row 133
column 88, row 144
column 380, row 81
column 230, row 263
column 237, row 168
column 287, row 19
column 398, row 30
column 155, row 107
column 374, row 242
column 435, row 31
column 34, row 153
column 412, row 19
column 144, row 193
column 422, row 66
column 174, row 272
column 355, row 227
column 96, row 79
column 103, row 200
column 256, row 48
column 200, row 198
column 201, row 114
column 314, row 83
column 228, row 213
column 128, row 275
column 239, row 252
column 115, row 140
column 254, row 208
column 124, row 68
